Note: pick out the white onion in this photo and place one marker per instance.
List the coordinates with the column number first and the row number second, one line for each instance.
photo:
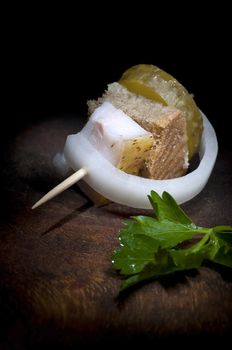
column 131, row 190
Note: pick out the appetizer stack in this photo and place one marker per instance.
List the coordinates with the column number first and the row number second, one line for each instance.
column 140, row 136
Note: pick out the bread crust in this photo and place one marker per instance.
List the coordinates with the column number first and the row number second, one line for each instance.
column 168, row 157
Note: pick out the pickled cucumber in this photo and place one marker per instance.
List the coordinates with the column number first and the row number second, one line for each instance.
column 154, row 83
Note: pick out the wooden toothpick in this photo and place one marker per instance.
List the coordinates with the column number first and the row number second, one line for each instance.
column 71, row 180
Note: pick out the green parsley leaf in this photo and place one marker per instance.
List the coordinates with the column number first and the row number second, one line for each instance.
column 224, row 233
column 223, row 255
column 167, row 208
column 168, row 233
column 150, row 247
column 135, row 254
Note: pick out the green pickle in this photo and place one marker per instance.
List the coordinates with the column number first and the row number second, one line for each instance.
column 154, row 83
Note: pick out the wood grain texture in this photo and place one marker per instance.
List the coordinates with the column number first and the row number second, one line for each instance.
column 57, row 285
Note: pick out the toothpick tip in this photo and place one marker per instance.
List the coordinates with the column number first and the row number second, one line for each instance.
column 37, row 204
column 71, row 180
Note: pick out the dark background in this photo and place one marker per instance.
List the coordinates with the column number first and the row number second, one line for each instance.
column 45, row 83
column 57, row 58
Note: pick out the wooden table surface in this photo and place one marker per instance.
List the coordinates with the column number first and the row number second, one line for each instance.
column 57, row 285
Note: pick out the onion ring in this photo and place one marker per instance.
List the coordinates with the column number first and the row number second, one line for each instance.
column 131, row 190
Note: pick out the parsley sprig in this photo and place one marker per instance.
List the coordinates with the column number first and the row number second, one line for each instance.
column 151, row 247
